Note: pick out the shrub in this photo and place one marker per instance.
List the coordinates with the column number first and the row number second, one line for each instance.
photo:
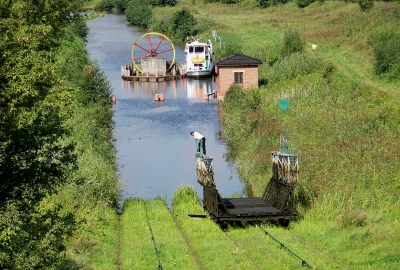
column 269, row 3
column 139, row 13
column 230, row 1
column 292, row 42
column 385, row 43
column 304, row 3
column 107, row 4
column 121, row 4
column 365, row 4
column 163, row 3
column 182, row 24
column 94, row 87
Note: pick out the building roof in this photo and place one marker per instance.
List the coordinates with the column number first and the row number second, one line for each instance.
column 237, row 60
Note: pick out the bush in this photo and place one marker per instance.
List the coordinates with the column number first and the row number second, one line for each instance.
column 182, row 24
column 269, row 3
column 163, row 3
column 366, row 4
column 94, row 87
column 230, row 1
column 121, row 4
column 304, row 3
column 292, row 42
column 107, row 4
column 139, row 13
column 385, row 43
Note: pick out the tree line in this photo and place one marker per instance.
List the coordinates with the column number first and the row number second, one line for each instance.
column 47, row 82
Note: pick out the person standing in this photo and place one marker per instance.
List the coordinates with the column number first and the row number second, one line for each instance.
column 200, row 138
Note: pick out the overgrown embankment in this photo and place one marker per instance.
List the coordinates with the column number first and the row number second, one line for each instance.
column 343, row 119
column 57, row 160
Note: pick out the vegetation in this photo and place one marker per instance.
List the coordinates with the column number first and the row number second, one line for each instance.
column 138, row 12
column 47, row 156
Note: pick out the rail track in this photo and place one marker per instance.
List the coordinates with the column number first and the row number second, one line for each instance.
column 241, row 244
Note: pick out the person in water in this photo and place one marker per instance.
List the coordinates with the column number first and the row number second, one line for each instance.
column 201, row 138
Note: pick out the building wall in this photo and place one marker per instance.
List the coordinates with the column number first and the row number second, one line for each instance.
column 153, row 65
column 226, row 78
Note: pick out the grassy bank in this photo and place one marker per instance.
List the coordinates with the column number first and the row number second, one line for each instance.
column 92, row 188
column 344, row 119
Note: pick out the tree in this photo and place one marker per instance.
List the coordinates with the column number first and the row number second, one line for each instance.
column 32, row 155
column 34, row 158
column 182, row 24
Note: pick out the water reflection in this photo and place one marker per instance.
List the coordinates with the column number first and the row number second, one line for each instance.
column 197, row 88
column 155, row 151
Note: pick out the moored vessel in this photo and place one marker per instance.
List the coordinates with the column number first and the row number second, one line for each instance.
column 199, row 58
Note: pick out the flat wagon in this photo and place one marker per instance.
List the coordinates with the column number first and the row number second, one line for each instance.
column 276, row 203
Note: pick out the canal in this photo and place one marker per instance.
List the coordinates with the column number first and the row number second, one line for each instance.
column 155, row 152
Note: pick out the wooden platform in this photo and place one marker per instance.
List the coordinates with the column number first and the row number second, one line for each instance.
column 241, row 209
column 249, row 207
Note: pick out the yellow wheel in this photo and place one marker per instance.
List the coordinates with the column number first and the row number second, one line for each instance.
column 153, row 44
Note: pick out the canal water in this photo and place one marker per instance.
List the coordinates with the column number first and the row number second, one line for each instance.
column 155, row 151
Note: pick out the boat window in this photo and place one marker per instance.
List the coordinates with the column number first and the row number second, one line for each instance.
column 199, row 49
column 190, row 49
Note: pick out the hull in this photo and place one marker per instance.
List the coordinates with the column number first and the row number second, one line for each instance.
column 199, row 73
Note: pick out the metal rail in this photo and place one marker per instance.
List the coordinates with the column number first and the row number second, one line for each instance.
column 323, row 253
column 120, row 211
column 153, row 239
column 245, row 254
column 187, row 242
column 119, row 243
column 303, row 262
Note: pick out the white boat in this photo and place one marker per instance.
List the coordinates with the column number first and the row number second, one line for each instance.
column 199, row 58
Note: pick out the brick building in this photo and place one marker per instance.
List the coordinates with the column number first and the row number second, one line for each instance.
column 236, row 68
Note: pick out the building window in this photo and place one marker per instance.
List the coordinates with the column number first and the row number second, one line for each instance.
column 238, row 77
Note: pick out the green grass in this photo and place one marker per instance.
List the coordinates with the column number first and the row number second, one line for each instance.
column 137, row 248
column 95, row 245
